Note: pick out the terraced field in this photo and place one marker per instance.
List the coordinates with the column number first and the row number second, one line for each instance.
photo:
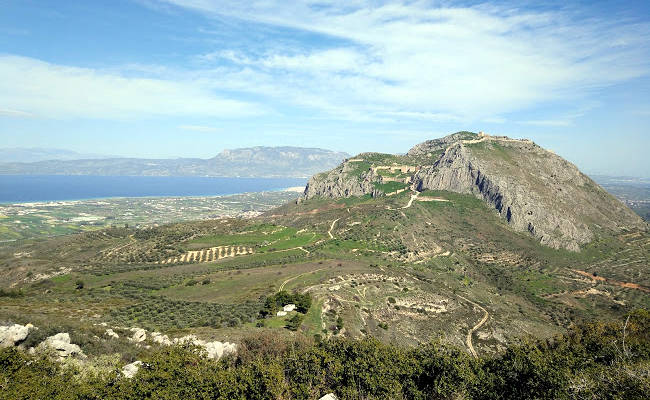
column 208, row 255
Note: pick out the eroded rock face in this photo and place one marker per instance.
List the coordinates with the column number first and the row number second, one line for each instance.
column 435, row 145
column 532, row 189
column 340, row 182
column 60, row 343
column 14, row 334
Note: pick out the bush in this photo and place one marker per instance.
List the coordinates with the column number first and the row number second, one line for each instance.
column 273, row 303
column 11, row 293
column 587, row 362
column 339, row 323
column 293, row 323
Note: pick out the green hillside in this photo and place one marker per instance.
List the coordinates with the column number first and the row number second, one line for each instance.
column 374, row 276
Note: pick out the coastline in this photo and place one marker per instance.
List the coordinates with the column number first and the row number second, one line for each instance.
column 56, row 196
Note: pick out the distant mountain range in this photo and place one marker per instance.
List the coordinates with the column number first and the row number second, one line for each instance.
column 246, row 162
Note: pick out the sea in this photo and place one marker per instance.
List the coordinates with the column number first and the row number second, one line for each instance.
column 42, row 188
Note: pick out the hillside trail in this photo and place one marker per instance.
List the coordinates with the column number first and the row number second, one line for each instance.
column 332, row 227
column 296, row 277
column 468, row 340
column 409, row 204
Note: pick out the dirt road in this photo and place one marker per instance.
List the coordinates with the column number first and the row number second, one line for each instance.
column 409, row 204
column 332, row 227
column 296, row 277
column 468, row 340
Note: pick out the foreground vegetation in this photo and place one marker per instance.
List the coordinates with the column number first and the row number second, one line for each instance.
column 599, row 360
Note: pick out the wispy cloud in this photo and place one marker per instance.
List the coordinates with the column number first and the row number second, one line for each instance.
column 467, row 62
column 55, row 91
column 376, row 62
column 15, row 113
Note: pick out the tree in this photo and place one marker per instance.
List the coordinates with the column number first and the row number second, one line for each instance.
column 294, row 322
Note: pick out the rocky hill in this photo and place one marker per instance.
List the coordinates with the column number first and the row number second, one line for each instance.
column 533, row 189
column 260, row 162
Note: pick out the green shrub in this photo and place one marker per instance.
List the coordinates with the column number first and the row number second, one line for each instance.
column 589, row 361
column 293, row 323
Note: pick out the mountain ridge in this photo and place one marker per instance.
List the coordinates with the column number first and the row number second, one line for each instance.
column 259, row 161
column 533, row 189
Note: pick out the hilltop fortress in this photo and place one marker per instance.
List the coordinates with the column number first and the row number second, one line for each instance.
column 533, row 189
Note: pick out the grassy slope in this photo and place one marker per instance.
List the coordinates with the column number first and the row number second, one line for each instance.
column 433, row 254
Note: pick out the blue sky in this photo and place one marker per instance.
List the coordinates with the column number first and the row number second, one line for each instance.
column 188, row 78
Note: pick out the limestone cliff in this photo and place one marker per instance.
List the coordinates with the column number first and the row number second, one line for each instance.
column 348, row 179
column 533, row 189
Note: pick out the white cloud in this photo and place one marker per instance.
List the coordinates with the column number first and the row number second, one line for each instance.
column 390, row 62
column 47, row 90
column 467, row 62
column 15, row 113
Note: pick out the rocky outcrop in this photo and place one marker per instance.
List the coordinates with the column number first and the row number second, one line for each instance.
column 532, row 189
column 12, row 335
column 139, row 335
column 431, row 147
column 344, row 181
column 214, row 350
column 60, row 344
column 329, row 396
column 129, row 370
column 111, row 334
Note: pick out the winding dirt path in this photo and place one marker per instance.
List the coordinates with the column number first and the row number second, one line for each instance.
column 409, row 204
column 296, row 277
column 332, row 227
column 468, row 339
